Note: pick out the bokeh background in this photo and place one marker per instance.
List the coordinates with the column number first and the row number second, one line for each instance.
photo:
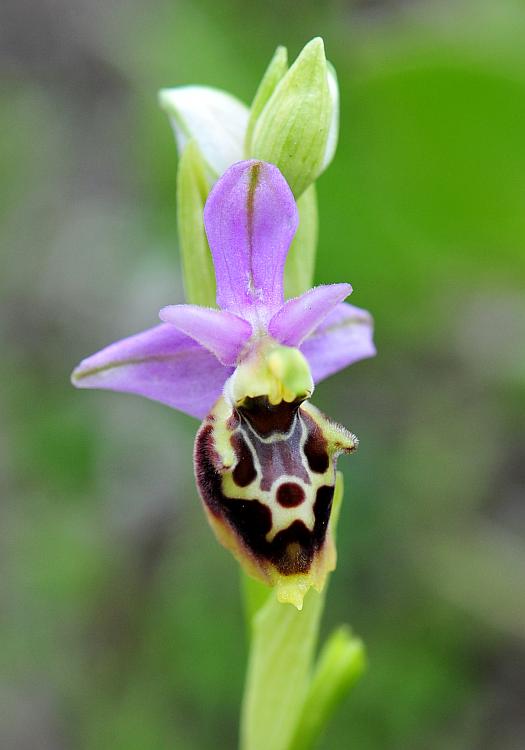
column 120, row 624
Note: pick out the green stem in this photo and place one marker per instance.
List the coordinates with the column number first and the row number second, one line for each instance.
column 279, row 667
column 287, row 700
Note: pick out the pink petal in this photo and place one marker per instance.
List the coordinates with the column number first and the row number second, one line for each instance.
column 161, row 364
column 222, row 333
column 250, row 218
column 343, row 338
column 299, row 316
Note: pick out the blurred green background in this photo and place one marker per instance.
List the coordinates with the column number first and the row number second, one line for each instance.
column 120, row 620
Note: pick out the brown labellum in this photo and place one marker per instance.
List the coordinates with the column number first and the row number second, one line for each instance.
column 266, row 475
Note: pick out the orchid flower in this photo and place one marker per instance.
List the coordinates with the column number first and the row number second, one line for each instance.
column 264, row 456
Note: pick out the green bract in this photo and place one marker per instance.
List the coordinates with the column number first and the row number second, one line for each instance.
column 300, row 263
column 274, row 72
column 339, row 666
column 197, row 264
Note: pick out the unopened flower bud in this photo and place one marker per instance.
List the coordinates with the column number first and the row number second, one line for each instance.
column 274, row 73
column 213, row 118
column 297, row 128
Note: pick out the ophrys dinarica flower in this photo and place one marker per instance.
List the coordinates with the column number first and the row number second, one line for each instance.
column 264, row 456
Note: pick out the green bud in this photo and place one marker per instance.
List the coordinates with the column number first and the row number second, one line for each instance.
column 274, row 72
column 197, row 264
column 213, row 118
column 300, row 263
column 296, row 129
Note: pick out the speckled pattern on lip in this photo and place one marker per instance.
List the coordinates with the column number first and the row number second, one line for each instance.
column 268, row 496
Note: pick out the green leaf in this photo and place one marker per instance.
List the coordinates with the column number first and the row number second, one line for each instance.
column 274, row 72
column 293, row 128
column 300, row 263
column 341, row 663
column 197, row 264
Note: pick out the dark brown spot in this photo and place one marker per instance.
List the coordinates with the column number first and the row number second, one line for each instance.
column 315, row 447
column 266, row 418
column 292, row 549
column 244, row 472
column 322, row 510
column 290, row 495
column 252, row 521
